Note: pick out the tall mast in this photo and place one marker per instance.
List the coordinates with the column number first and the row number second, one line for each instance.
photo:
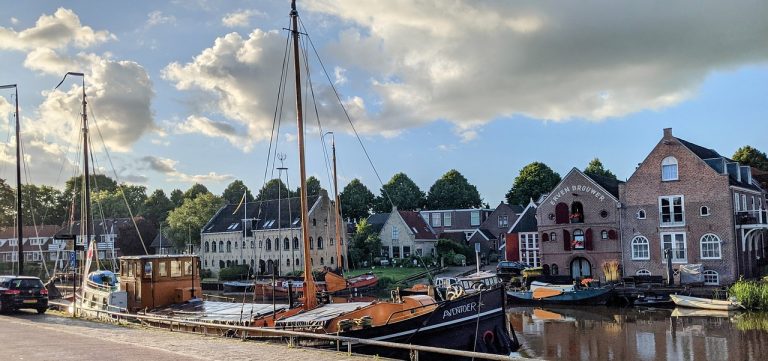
column 19, row 216
column 309, row 283
column 338, row 210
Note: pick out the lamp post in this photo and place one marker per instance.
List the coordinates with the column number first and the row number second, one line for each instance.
column 191, row 254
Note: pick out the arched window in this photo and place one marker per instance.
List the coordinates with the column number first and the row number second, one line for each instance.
column 229, row 263
column 322, row 261
column 669, row 169
column 213, row 247
column 577, row 213
column 553, row 236
column 207, row 247
column 253, row 263
column 710, row 246
column 643, row 272
column 711, row 277
column 704, row 211
column 229, row 247
column 641, row 214
column 311, row 243
column 578, row 239
column 604, row 234
column 221, row 264
column 206, row 263
column 221, row 246
column 554, row 269
column 243, row 244
column 287, row 261
column 331, row 259
column 277, row 244
column 561, row 213
column 314, row 222
column 251, row 244
column 640, row 248
column 297, row 263
column 268, row 244
column 330, row 241
column 286, row 243
column 319, row 242
column 235, row 245
column 295, row 243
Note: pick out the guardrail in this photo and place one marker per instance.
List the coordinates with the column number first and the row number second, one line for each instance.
column 414, row 350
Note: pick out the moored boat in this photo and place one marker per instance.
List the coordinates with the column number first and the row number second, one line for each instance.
column 553, row 296
column 705, row 303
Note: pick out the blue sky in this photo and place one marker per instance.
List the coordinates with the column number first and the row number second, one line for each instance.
column 184, row 90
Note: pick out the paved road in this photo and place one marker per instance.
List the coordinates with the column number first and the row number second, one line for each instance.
column 28, row 336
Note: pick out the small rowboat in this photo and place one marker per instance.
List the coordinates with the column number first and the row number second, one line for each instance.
column 705, row 303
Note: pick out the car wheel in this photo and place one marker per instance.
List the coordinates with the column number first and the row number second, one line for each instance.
column 42, row 310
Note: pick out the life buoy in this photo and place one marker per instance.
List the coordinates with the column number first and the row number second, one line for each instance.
column 454, row 292
column 489, row 337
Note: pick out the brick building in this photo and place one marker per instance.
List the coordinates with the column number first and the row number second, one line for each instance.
column 493, row 231
column 265, row 235
column 707, row 209
column 522, row 238
column 578, row 223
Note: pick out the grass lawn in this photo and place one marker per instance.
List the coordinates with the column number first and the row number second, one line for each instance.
column 395, row 273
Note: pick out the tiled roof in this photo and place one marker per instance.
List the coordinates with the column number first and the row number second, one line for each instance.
column 100, row 227
column 416, row 223
column 30, row 231
column 527, row 222
column 609, row 184
column 166, row 243
column 706, row 153
column 377, row 221
column 488, row 234
column 272, row 214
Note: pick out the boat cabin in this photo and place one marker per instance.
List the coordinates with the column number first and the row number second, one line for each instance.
column 159, row 280
column 479, row 281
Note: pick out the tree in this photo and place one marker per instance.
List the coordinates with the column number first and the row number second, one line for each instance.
column 273, row 189
column 156, row 207
column 7, row 204
column 234, row 192
column 534, row 180
column 112, row 204
column 453, row 191
column 73, row 189
column 365, row 243
column 187, row 220
column 177, row 197
column 595, row 168
column 128, row 239
column 403, row 192
column 195, row 190
column 313, row 187
column 747, row 155
column 356, row 200
column 42, row 205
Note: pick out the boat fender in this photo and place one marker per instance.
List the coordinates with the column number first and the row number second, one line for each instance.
column 489, row 337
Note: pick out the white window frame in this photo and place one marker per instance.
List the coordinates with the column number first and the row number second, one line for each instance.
column 711, row 273
column 671, row 200
column 637, row 242
column 503, row 221
column 675, row 249
column 395, row 233
column 437, row 219
column 529, row 249
column 644, row 214
column 643, row 272
column 668, row 162
column 447, row 219
column 701, row 211
column 736, row 202
column 716, row 241
column 472, row 221
column 743, row 202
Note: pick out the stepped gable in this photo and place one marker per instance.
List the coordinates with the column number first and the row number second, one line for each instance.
column 270, row 214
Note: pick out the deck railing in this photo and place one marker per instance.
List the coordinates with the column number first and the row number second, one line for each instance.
column 757, row 216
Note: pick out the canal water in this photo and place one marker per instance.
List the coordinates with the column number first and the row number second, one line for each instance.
column 605, row 333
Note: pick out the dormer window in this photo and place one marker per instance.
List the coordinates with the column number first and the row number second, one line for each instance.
column 669, row 169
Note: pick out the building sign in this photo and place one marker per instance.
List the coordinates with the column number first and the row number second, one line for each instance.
column 578, row 189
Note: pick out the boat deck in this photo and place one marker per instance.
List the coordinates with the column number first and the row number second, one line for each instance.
column 218, row 312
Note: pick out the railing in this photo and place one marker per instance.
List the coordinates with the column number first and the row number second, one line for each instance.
column 293, row 335
column 757, row 216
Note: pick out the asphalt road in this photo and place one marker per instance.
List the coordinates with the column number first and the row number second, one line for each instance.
column 28, row 336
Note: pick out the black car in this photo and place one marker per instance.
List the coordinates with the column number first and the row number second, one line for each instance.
column 508, row 269
column 18, row 292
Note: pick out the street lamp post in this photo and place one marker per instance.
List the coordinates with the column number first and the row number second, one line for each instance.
column 191, row 255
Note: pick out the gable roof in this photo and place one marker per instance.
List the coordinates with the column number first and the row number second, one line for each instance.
column 609, row 184
column 106, row 226
column 526, row 222
column 376, row 221
column 613, row 193
column 417, row 225
column 271, row 214
column 46, row 231
column 166, row 243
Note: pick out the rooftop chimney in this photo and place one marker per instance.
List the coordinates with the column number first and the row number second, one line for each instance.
column 667, row 132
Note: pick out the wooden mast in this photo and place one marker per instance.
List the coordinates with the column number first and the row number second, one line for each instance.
column 310, row 300
column 19, row 215
column 338, row 211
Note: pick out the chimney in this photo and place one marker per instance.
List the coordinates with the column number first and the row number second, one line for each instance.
column 667, row 132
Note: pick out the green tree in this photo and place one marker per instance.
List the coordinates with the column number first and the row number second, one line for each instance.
column 156, row 207
column 73, row 189
column 534, row 180
column 752, row 157
column 403, row 192
column 273, row 189
column 112, row 204
column 313, row 187
column 44, row 203
column 195, row 190
column 453, row 191
column 7, row 204
column 187, row 221
column 595, row 168
column 177, row 197
column 234, row 192
column 365, row 244
column 356, row 200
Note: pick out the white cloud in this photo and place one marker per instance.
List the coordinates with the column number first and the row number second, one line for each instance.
column 339, row 75
column 168, row 167
column 14, row 21
column 156, row 17
column 195, row 124
column 239, row 18
column 470, row 62
column 59, row 30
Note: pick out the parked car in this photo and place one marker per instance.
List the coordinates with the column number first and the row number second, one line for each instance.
column 508, row 269
column 18, row 292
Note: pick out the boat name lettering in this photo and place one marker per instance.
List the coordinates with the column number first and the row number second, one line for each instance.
column 470, row 307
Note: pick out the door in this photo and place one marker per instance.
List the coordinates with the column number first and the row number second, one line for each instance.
column 581, row 268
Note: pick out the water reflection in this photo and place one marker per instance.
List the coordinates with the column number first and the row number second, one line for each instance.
column 602, row 333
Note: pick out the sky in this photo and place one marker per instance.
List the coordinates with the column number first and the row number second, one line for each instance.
column 186, row 91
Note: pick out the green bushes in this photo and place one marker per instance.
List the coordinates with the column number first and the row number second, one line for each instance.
column 233, row 273
column 751, row 294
